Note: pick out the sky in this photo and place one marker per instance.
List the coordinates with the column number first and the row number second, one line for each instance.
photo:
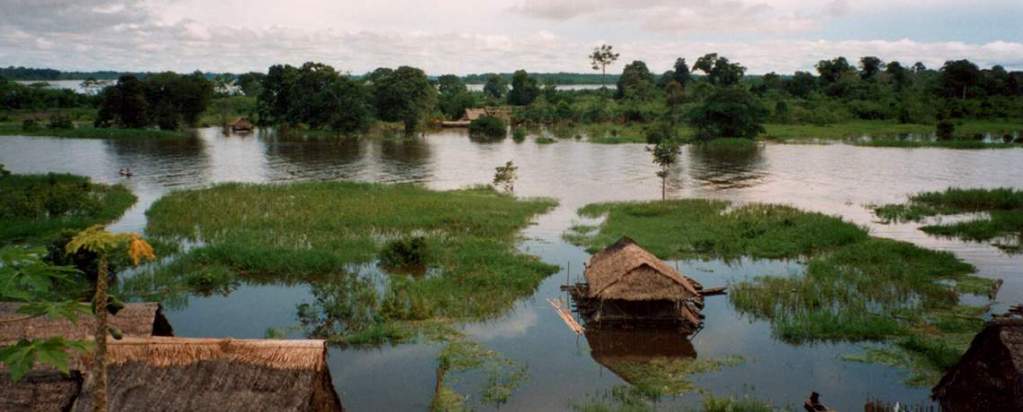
column 462, row 37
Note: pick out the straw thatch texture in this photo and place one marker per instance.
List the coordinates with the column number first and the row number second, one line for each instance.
column 242, row 124
column 989, row 376
column 180, row 374
column 135, row 319
column 39, row 391
column 626, row 271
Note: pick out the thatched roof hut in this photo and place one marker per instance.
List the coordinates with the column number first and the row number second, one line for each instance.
column 242, row 124
column 989, row 376
column 625, row 283
column 135, row 319
column 44, row 390
column 217, row 375
column 626, row 271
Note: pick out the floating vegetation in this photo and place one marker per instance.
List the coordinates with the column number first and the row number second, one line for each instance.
column 501, row 376
column 855, row 288
column 1002, row 208
column 323, row 233
column 629, row 399
column 37, row 208
column 670, row 376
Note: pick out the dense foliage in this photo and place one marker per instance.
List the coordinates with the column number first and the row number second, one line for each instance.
column 168, row 100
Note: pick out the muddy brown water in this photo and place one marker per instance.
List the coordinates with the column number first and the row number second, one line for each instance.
column 835, row 179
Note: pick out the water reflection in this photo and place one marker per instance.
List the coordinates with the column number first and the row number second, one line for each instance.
column 627, row 352
column 717, row 169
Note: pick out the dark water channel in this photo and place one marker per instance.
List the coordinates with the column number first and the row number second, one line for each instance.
column 834, row 179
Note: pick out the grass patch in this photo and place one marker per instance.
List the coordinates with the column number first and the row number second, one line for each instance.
column 37, row 208
column 710, row 228
column 1003, row 206
column 89, row 132
column 307, row 232
column 729, row 146
column 855, row 288
column 885, row 133
column 545, row 140
column 670, row 376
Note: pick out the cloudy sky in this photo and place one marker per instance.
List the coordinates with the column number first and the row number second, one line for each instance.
column 460, row 36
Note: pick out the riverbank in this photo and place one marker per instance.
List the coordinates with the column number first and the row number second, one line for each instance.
column 36, row 209
column 89, row 132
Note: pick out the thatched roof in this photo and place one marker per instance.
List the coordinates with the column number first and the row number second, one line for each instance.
column 39, row 391
column 135, row 319
column 242, row 123
column 989, row 376
column 628, row 272
column 217, row 375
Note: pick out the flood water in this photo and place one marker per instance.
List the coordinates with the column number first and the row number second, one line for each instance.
column 834, row 179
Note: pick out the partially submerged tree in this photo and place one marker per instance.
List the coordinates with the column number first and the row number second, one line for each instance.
column 404, row 95
column 665, row 155
column 728, row 112
column 506, row 175
column 496, row 87
column 524, row 89
column 602, row 57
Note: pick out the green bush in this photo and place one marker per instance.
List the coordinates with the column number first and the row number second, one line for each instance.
column 404, row 253
column 659, row 132
column 60, row 121
column 29, row 125
column 519, row 134
column 488, row 126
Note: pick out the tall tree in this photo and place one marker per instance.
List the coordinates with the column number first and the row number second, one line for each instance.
column 720, row 71
column 453, row 97
column 404, row 95
column 959, row 77
column 681, row 71
column 728, row 112
column 496, row 86
column 602, row 57
column 636, row 82
column 870, row 66
column 124, row 104
column 831, row 71
column 524, row 89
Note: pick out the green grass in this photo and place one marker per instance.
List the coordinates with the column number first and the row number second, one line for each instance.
column 715, row 404
column 880, row 129
column 37, row 208
column 855, row 288
column 670, row 376
column 729, row 146
column 545, row 140
column 308, row 232
column 708, row 228
column 89, row 132
column 1003, row 207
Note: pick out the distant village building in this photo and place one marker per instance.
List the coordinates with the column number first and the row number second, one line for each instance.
column 627, row 284
column 476, row 113
column 242, row 124
column 989, row 376
column 148, row 369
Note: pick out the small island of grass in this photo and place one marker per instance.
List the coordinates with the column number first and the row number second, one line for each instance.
column 855, row 288
column 460, row 246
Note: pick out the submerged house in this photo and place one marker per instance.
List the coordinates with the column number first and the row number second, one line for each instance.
column 476, row 113
column 151, row 370
column 989, row 376
column 241, row 124
column 626, row 284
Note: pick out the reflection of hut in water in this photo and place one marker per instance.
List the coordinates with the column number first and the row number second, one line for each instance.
column 162, row 372
column 241, row 125
column 655, row 359
column 989, row 376
column 627, row 285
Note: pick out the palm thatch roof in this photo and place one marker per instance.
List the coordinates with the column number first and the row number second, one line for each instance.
column 135, row 319
column 241, row 124
column 39, row 391
column 989, row 376
column 626, row 271
column 217, row 375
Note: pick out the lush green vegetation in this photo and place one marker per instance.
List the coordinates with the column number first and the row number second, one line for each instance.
column 488, row 126
column 630, row 399
column 167, row 100
column 855, row 288
column 88, row 132
column 323, row 232
column 35, row 209
column 1003, row 208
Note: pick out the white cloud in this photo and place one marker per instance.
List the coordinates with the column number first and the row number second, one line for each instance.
column 450, row 37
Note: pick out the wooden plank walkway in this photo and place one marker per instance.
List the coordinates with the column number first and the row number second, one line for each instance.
column 566, row 316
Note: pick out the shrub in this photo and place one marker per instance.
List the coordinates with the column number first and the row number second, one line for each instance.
column 404, row 253
column 729, row 112
column 29, row 125
column 489, row 126
column 659, row 132
column 945, row 129
column 519, row 134
column 60, row 121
